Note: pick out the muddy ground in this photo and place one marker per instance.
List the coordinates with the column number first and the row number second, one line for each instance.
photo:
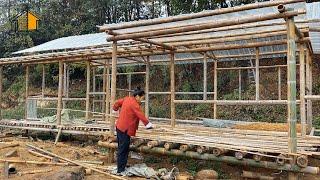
column 82, row 148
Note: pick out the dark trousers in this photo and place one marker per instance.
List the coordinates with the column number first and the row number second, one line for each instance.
column 123, row 150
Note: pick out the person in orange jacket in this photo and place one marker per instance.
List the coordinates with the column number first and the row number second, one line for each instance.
column 127, row 124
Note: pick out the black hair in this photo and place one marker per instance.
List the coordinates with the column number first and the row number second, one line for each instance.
column 138, row 92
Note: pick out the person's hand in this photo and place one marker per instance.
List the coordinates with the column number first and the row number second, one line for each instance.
column 149, row 126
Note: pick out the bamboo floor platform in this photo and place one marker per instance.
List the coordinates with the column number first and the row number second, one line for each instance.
column 269, row 142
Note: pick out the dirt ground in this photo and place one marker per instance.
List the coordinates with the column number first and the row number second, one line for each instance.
column 84, row 149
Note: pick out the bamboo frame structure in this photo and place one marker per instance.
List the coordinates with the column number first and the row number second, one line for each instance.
column 209, row 45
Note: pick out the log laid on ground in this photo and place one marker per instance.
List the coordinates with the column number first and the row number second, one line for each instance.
column 34, row 171
column 5, row 170
column 240, row 155
column 9, row 145
column 43, row 155
column 302, row 161
column 219, row 151
column 168, row 146
column 255, row 175
column 73, row 162
column 227, row 159
column 35, row 162
column 12, row 153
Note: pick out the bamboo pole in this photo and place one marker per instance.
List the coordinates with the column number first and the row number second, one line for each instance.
column 309, row 89
column 113, row 93
column 239, row 74
column 215, row 89
column 195, row 15
column 291, row 96
column 196, row 27
column 279, row 83
column 302, row 90
column 235, row 102
column 26, row 93
column 172, row 90
column 129, row 84
column 64, row 92
column 93, row 85
column 43, row 86
column 205, row 74
column 104, row 86
column 74, row 162
column 88, row 70
column 146, row 104
column 108, row 91
column 257, row 75
column 59, row 104
column 1, row 82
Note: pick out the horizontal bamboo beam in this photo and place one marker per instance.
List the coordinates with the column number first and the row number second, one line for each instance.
column 196, row 27
column 260, row 67
column 237, row 46
column 56, row 99
column 234, row 102
column 312, row 97
column 195, row 15
column 190, row 93
column 163, row 45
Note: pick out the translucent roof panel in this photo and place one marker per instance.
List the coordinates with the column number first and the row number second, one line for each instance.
column 313, row 12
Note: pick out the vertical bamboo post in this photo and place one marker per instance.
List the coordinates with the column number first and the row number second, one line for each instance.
column 215, row 89
column 94, row 86
column 302, row 89
column 279, row 83
column 60, row 84
column 108, row 91
column 239, row 73
column 1, row 81
column 257, row 75
column 146, row 104
column 309, row 88
column 291, row 96
column 113, row 83
column 205, row 72
column 129, row 83
column 64, row 84
column 26, row 92
column 88, row 69
column 104, row 85
column 43, row 86
column 172, row 90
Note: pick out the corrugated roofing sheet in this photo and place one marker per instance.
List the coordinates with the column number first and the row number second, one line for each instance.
column 313, row 12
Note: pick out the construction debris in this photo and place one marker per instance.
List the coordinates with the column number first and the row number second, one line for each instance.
column 34, row 171
column 207, row 174
column 12, row 153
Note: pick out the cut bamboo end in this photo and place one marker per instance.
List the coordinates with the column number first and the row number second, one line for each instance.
column 202, row 149
column 281, row 159
column 168, row 146
column 219, row 151
column 302, row 161
column 186, row 147
column 240, row 155
column 258, row 157
column 138, row 142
